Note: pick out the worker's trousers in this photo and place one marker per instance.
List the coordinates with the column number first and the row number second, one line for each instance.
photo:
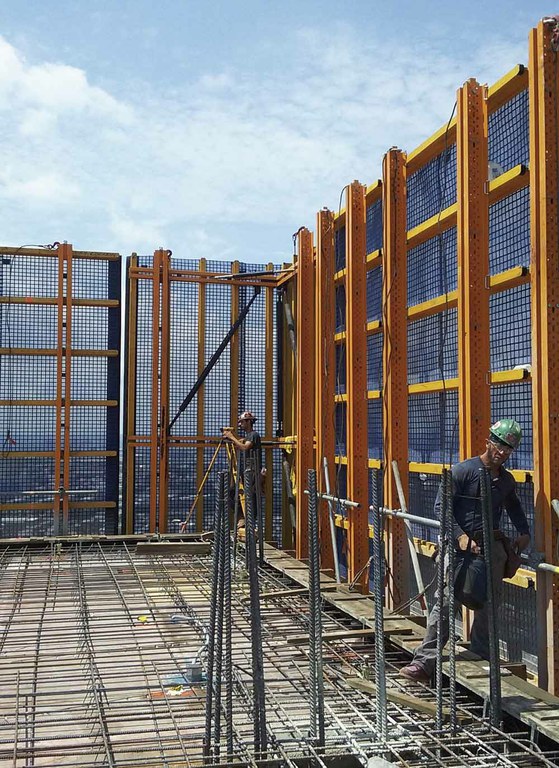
column 426, row 654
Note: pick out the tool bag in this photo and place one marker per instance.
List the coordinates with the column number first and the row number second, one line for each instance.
column 470, row 580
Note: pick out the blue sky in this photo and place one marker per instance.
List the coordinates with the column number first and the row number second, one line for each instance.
column 216, row 129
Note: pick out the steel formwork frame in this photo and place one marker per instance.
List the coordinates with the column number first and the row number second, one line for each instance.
column 478, row 195
column 75, row 278
column 159, row 276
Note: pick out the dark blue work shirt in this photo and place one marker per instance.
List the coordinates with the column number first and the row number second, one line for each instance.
column 467, row 500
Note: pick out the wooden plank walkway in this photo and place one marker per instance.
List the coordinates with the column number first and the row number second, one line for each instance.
column 534, row 707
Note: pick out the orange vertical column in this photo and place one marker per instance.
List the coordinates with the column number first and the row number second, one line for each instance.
column 395, row 364
column 325, row 370
column 544, row 236
column 473, row 268
column 164, row 391
column 154, row 410
column 201, row 396
column 304, row 459
column 356, row 382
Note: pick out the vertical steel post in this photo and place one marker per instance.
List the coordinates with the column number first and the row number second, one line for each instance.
column 164, row 392
column 269, row 410
column 154, row 410
column 378, row 577
column 448, row 513
column 441, row 573
column 305, row 370
column 356, row 378
column 315, row 627
column 494, row 660
column 394, row 359
column 544, row 239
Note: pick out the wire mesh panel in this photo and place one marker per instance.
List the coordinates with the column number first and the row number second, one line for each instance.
column 60, row 392
column 510, row 330
column 432, row 188
column 374, row 428
column 374, row 226
column 341, row 429
column 341, row 380
column 509, row 232
column 433, row 348
column 515, row 401
column 374, row 361
column 433, row 427
column 339, row 248
column 508, row 136
column 340, row 307
column 374, row 294
column 432, row 268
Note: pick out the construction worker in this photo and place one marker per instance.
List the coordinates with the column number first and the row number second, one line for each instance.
column 504, row 437
column 251, row 447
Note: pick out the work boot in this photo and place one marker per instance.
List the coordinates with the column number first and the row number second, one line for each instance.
column 415, row 672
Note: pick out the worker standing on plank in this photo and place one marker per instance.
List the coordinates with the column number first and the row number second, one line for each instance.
column 504, row 437
column 251, row 447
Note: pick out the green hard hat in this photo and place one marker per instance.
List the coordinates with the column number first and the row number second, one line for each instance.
column 507, row 431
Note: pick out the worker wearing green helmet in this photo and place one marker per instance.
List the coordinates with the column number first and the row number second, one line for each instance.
column 504, row 437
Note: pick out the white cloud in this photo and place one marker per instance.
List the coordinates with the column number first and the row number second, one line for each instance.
column 204, row 168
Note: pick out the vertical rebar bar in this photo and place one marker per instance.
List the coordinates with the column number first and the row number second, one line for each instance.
column 259, row 702
column 441, row 601
column 211, row 633
column 228, row 625
column 378, row 576
column 237, row 504
column 221, row 511
column 259, row 507
column 448, row 514
column 315, row 629
column 494, row 659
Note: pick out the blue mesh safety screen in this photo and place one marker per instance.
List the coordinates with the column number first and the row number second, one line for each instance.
column 432, row 268
column 340, row 383
column 423, row 488
column 374, row 294
column 515, row 401
column 433, row 427
column 509, row 232
column 341, row 428
column 374, row 428
column 432, row 188
column 510, row 332
column 28, row 501
column 433, row 347
column 339, row 248
column 374, row 360
column 508, row 138
column 340, row 308
column 374, row 226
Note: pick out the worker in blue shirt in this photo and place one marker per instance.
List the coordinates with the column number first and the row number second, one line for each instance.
column 504, row 437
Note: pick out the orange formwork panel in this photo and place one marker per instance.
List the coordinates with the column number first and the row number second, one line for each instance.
column 473, row 255
column 325, row 370
column 305, row 459
column 544, row 235
column 357, row 404
column 395, row 390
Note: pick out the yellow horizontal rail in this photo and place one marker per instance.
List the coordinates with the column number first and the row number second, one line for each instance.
column 52, row 253
column 433, row 226
column 339, row 337
column 510, row 278
column 373, row 326
column 439, row 385
column 340, row 275
column 431, row 147
column 52, row 403
column 432, row 306
column 373, row 192
column 53, row 352
column 508, row 183
column 51, row 454
column 374, row 394
column 374, row 259
column 507, row 87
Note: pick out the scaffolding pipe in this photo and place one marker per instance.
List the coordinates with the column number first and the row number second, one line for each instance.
column 378, row 577
column 409, row 535
column 331, row 520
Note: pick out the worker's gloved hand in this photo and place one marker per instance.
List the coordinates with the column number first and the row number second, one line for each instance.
column 463, row 541
column 226, row 433
column 521, row 542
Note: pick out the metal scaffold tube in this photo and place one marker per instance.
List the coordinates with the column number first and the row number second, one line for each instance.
column 442, row 615
column 448, row 514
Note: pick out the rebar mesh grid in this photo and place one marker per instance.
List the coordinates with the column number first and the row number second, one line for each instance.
column 96, row 657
